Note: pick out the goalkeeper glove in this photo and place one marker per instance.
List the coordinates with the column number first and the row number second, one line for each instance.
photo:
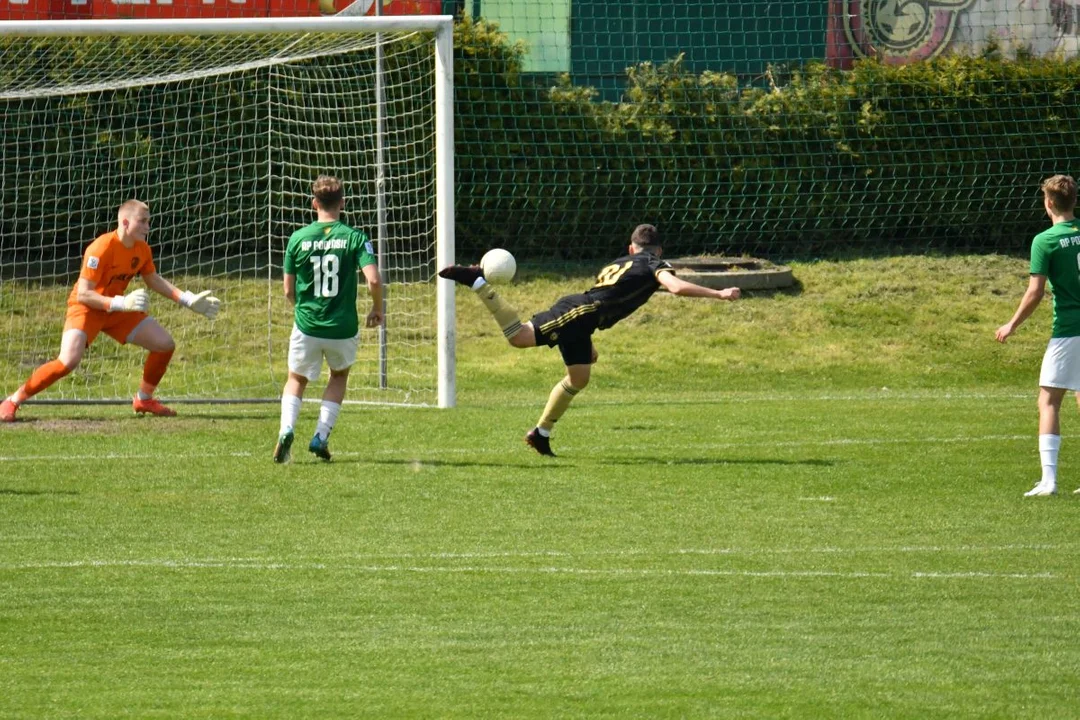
column 138, row 301
column 204, row 303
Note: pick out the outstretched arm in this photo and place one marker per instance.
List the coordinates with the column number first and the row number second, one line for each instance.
column 678, row 286
column 374, row 286
column 1032, row 297
column 203, row 303
column 161, row 286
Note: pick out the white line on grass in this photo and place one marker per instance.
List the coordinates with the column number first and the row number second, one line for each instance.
column 501, row 451
column 734, row 397
column 644, row 553
column 479, row 570
column 906, row 549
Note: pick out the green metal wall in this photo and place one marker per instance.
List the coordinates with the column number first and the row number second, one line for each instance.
column 596, row 40
column 732, row 35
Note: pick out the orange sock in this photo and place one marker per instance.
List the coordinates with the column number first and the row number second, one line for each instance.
column 154, row 369
column 41, row 378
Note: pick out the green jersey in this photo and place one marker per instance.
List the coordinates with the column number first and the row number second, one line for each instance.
column 325, row 257
column 1055, row 253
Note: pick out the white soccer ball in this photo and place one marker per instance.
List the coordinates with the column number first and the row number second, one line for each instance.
column 499, row 266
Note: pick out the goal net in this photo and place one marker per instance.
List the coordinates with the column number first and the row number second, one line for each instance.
column 221, row 126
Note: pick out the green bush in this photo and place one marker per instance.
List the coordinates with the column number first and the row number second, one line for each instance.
column 943, row 155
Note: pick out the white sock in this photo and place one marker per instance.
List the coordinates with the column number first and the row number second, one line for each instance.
column 479, row 283
column 290, row 411
column 327, row 417
column 1048, row 454
column 543, row 432
column 143, row 396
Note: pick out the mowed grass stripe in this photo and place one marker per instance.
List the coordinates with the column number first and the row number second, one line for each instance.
column 745, row 523
column 501, row 451
column 504, row 570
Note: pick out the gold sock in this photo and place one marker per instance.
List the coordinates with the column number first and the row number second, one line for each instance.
column 558, row 401
column 506, row 316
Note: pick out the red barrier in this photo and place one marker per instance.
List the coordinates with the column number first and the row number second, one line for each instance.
column 180, row 8
column 78, row 9
column 71, row 9
column 390, row 7
column 25, row 9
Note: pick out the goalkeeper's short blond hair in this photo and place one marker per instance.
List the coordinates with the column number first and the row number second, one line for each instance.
column 1060, row 192
column 130, row 207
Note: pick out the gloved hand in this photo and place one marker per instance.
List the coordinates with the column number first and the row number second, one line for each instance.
column 137, row 301
column 204, row 303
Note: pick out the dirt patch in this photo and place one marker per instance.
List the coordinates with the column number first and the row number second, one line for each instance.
column 89, row 426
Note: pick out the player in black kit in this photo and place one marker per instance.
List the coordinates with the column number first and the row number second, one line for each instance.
column 621, row 287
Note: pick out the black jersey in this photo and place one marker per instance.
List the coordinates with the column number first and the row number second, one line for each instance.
column 625, row 285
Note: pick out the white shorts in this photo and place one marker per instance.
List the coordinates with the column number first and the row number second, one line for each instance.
column 306, row 353
column 1061, row 364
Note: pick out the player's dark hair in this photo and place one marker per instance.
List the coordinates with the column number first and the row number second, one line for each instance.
column 328, row 192
column 646, row 237
column 1060, row 190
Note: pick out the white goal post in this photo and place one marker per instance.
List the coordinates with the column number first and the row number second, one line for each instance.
column 221, row 125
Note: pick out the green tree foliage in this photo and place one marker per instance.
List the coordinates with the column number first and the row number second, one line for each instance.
column 943, row 155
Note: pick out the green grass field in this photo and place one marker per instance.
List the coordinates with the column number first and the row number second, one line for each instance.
column 805, row 504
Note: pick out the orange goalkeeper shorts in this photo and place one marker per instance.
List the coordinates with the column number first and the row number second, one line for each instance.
column 117, row 325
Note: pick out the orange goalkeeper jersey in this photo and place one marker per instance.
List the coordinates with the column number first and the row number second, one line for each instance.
column 110, row 266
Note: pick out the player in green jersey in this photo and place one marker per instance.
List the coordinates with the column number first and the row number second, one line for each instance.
column 1055, row 259
column 320, row 272
column 621, row 287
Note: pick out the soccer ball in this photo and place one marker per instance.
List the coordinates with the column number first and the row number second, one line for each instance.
column 499, row 266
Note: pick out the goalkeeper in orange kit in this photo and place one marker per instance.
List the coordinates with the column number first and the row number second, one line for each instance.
column 98, row 303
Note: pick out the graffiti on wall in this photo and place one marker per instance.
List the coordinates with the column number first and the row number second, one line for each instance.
column 903, row 31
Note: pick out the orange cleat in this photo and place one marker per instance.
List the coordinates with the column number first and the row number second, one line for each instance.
column 7, row 411
column 152, row 406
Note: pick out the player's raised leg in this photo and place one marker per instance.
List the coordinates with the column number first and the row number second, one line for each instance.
column 472, row 277
column 151, row 336
column 72, row 347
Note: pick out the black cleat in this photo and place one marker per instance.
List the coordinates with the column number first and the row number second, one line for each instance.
column 539, row 443
column 464, row 274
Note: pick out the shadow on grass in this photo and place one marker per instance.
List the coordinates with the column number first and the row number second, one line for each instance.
column 34, row 493
column 714, row 461
column 565, row 462
column 418, row 464
column 793, row 290
column 269, row 414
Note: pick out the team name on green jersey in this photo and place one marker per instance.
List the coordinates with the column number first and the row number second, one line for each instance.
column 327, row 244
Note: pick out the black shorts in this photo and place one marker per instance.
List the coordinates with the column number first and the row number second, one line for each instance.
column 568, row 324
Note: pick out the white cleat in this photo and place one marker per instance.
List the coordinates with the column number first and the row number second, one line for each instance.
column 1076, row 491
column 1043, row 489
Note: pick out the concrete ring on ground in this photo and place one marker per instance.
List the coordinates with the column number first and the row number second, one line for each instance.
column 719, row 272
